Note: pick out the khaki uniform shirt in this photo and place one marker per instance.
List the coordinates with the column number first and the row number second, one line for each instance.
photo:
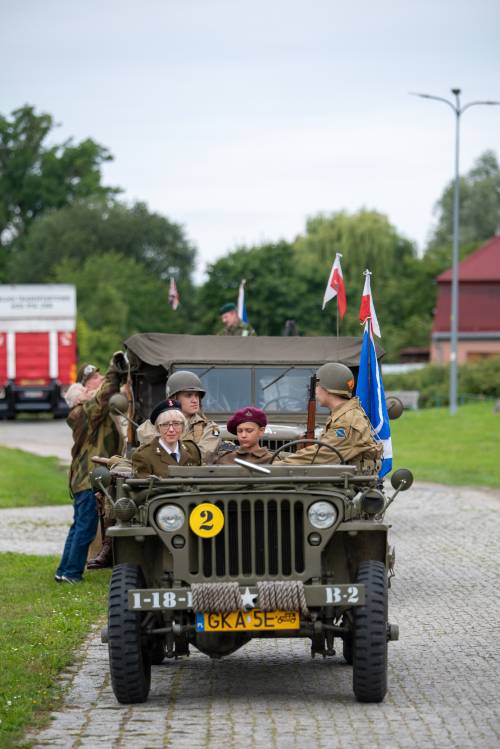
column 348, row 430
column 255, row 455
column 205, row 433
column 241, row 329
column 154, row 460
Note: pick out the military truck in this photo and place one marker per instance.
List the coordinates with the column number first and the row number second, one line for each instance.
column 213, row 556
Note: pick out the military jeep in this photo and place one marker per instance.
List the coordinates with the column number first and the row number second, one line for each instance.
column 213, row 556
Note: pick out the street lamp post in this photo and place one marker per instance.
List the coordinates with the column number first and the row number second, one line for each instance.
column 458, row 110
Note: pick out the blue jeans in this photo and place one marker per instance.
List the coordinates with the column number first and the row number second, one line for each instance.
column 80, row 535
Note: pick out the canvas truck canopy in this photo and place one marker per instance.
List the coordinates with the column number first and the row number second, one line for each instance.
column 166, row 350
column 272, row 373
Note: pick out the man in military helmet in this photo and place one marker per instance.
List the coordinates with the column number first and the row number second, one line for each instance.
column 348, row 429
column 232, row 323
column 186, row 388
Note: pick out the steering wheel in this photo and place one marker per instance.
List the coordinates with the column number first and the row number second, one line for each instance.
column 319, row 443
column 285, row 400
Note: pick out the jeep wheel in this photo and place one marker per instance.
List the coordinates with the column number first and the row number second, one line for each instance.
column 129, row 659
column 347, row 649
column 370, row 635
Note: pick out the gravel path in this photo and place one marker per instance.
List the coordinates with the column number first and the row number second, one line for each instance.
column 38, row 436
column 35, row 530
column 443, row 673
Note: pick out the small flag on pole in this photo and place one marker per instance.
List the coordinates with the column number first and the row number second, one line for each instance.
column 173, row 294
column 242, row 310
column 367, row 309
column 336, row 287
column 370, row 389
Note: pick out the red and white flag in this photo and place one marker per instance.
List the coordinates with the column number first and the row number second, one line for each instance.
column 367, row 309
column 336, row 287
column 173, row 294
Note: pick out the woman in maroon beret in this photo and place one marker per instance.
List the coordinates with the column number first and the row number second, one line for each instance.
column 248, row 424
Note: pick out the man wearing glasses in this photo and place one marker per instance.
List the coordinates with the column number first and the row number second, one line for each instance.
column 167, row 448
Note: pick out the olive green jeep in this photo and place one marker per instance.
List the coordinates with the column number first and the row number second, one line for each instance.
column 213, row 556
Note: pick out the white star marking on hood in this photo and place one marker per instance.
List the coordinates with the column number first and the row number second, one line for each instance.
column 248, row 599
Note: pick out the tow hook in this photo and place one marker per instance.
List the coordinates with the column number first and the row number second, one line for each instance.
column 392, row 632
column 104, row 635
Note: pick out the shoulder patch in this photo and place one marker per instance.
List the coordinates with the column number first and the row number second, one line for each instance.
column 340, row 432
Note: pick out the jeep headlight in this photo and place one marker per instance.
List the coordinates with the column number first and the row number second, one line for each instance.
column 170, row 518
column 322, row 514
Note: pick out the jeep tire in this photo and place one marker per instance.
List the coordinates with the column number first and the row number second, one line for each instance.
column 369, row 652
column 129, row 659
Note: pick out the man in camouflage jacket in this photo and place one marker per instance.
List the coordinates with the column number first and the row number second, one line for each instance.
column 94, row 434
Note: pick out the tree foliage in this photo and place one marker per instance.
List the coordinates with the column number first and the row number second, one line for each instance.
column 36, row 177
column 479, row 209
column 274, row 287
column 92, row 227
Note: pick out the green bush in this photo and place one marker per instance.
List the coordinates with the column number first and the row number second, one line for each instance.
column 476, row 381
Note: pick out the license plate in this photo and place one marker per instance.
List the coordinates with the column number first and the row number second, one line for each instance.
column 247, row 621
column 33, row 393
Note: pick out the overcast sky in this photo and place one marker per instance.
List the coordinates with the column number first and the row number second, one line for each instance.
column 240, row 119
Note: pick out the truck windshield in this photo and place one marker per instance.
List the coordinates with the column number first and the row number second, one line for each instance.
column 282, row 389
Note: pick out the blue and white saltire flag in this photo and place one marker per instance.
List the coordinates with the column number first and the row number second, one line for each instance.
column 370, row 391
column 242, row 310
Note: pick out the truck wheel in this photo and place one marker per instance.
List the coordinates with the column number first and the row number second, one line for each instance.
column 129, row 659
column 347, row 649
column 370, row 635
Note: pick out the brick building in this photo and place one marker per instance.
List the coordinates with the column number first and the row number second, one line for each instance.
column 479, row 307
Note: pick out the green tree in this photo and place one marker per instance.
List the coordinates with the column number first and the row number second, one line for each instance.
column 274, row 287
column 117, row 297
column 92, row 227
column 479, row 209
column 366, row 239
column 36, row 177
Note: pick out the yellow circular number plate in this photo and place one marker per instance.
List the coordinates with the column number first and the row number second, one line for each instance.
column 206, row 520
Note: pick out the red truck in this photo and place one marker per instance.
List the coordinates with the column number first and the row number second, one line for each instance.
column 37, row 348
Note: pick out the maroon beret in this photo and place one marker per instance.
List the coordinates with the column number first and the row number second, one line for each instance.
column 249, row 413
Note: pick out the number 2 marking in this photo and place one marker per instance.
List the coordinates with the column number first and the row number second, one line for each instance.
column 352, row 594
column 206, row 516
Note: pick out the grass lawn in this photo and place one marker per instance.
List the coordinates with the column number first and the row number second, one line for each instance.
column 42, row 623
column 28, row 480
column 460, row 450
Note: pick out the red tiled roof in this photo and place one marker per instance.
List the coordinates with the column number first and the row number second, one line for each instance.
column 482, row 265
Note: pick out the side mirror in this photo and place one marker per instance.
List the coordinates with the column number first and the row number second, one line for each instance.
column 394, row 407
column 402, row 479
column 118, row 404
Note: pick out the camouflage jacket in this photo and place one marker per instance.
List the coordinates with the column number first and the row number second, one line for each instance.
column 94, row 433
column 241, row 329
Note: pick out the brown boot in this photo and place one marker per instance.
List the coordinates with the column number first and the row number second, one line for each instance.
column 104, row 558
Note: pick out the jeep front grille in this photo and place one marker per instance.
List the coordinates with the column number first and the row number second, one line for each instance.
column 260, row 538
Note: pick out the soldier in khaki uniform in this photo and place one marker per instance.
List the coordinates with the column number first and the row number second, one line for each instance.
column 348, row 429
column 167, row 449
column 248, row 424
column 232, row 323
column 186, row 387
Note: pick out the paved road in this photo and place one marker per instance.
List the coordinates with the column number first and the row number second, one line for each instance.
column 39, row 436
column 443, row 689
